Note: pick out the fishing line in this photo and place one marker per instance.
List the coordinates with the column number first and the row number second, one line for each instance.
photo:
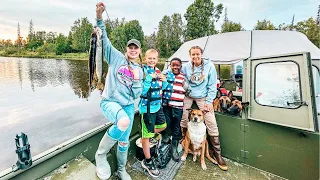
column 118, row 41
column 112, row 29
column 120, row 44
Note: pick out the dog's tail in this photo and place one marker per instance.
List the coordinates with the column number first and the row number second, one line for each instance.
column 208, row 155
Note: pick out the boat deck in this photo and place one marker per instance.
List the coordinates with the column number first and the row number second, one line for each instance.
column 192, row 170
column 81, row 168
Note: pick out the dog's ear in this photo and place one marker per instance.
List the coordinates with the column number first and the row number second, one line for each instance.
column 230, row 95
column 244, row 104
column 219, row 93
column 189, row 110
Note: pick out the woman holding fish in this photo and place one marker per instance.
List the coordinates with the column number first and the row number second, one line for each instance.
column 123, row 86
column 202, row 79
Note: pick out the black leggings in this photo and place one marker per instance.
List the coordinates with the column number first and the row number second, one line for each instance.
column 173, row 117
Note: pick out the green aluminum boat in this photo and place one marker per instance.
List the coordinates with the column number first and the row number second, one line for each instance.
column 275, row 137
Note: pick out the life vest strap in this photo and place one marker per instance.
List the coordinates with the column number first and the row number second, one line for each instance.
column 151, row 99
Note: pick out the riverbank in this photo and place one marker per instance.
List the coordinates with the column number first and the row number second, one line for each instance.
column 225, row 69
column 28, row 54
column 66, row 56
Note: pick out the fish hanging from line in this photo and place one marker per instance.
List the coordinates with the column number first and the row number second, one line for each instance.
column 96, row 57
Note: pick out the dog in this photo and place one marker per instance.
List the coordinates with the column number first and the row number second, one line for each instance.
column 195, row 141
column 228, row 104
column 236, row 105
column 221, row 103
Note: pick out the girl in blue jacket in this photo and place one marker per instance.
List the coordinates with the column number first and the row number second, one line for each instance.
column 123, row 86
column 202, row 79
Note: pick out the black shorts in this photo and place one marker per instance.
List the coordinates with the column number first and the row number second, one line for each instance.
column 153, row 121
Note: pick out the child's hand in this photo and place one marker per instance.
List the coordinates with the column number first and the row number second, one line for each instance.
column 208, row 107
column 153, row 75
column 162, row 77
column 185, row 85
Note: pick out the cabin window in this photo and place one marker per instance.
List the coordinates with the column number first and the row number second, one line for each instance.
column 277, row 84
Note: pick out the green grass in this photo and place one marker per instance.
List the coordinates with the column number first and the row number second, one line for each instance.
column 68, row 56
column 28, row 54
column 74, row 56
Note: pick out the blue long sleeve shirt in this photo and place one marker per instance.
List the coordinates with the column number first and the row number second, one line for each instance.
column 120, row 85
column 201, row 88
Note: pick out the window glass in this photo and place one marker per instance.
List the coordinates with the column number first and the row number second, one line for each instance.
column 277, row 84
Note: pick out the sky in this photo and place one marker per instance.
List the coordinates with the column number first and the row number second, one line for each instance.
column 59, row 15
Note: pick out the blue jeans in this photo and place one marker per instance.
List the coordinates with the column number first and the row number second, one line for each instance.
column 114, row 112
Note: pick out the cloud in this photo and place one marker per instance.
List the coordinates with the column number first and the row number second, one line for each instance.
column 59, row 15
column 248, row 12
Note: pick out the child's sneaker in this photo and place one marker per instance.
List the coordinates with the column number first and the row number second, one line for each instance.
column 150, row 167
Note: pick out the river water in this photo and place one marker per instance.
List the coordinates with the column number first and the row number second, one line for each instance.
column 48, row 100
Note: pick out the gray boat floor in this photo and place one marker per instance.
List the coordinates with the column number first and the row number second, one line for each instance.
column 81, row 168
column 193, row 171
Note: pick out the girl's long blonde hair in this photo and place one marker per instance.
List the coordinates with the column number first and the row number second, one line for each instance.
column 202, row 67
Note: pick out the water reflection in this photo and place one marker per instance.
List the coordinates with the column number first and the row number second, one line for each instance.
column 46, row 99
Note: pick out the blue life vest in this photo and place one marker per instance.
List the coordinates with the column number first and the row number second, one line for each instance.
column 153, row 94
column 167, row 92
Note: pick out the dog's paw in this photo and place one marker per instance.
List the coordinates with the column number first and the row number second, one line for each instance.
column 194, row 158
column 183, row 158
column 203, row 166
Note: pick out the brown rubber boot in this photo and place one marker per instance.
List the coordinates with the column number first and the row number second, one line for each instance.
column 183, row 132
column 215, row 142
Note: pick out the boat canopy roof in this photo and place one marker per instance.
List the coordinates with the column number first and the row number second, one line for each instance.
column 232, row 47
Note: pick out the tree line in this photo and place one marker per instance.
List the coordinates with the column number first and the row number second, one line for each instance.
column 199, row 20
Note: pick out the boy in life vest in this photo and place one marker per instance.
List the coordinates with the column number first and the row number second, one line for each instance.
column 153, row 120
column 172, row 102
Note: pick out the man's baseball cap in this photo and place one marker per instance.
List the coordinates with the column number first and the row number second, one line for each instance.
column 135, row 42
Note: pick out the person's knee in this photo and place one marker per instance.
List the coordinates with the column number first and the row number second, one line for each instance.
column 162, row 129
column 211, row 124
column 123, row 123
column 123, row 146
column 183, row 123
column 209, row 116
column 213, row 132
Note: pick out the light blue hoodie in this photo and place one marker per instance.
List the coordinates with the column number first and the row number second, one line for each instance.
column 206, row 88
column 120, row 86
